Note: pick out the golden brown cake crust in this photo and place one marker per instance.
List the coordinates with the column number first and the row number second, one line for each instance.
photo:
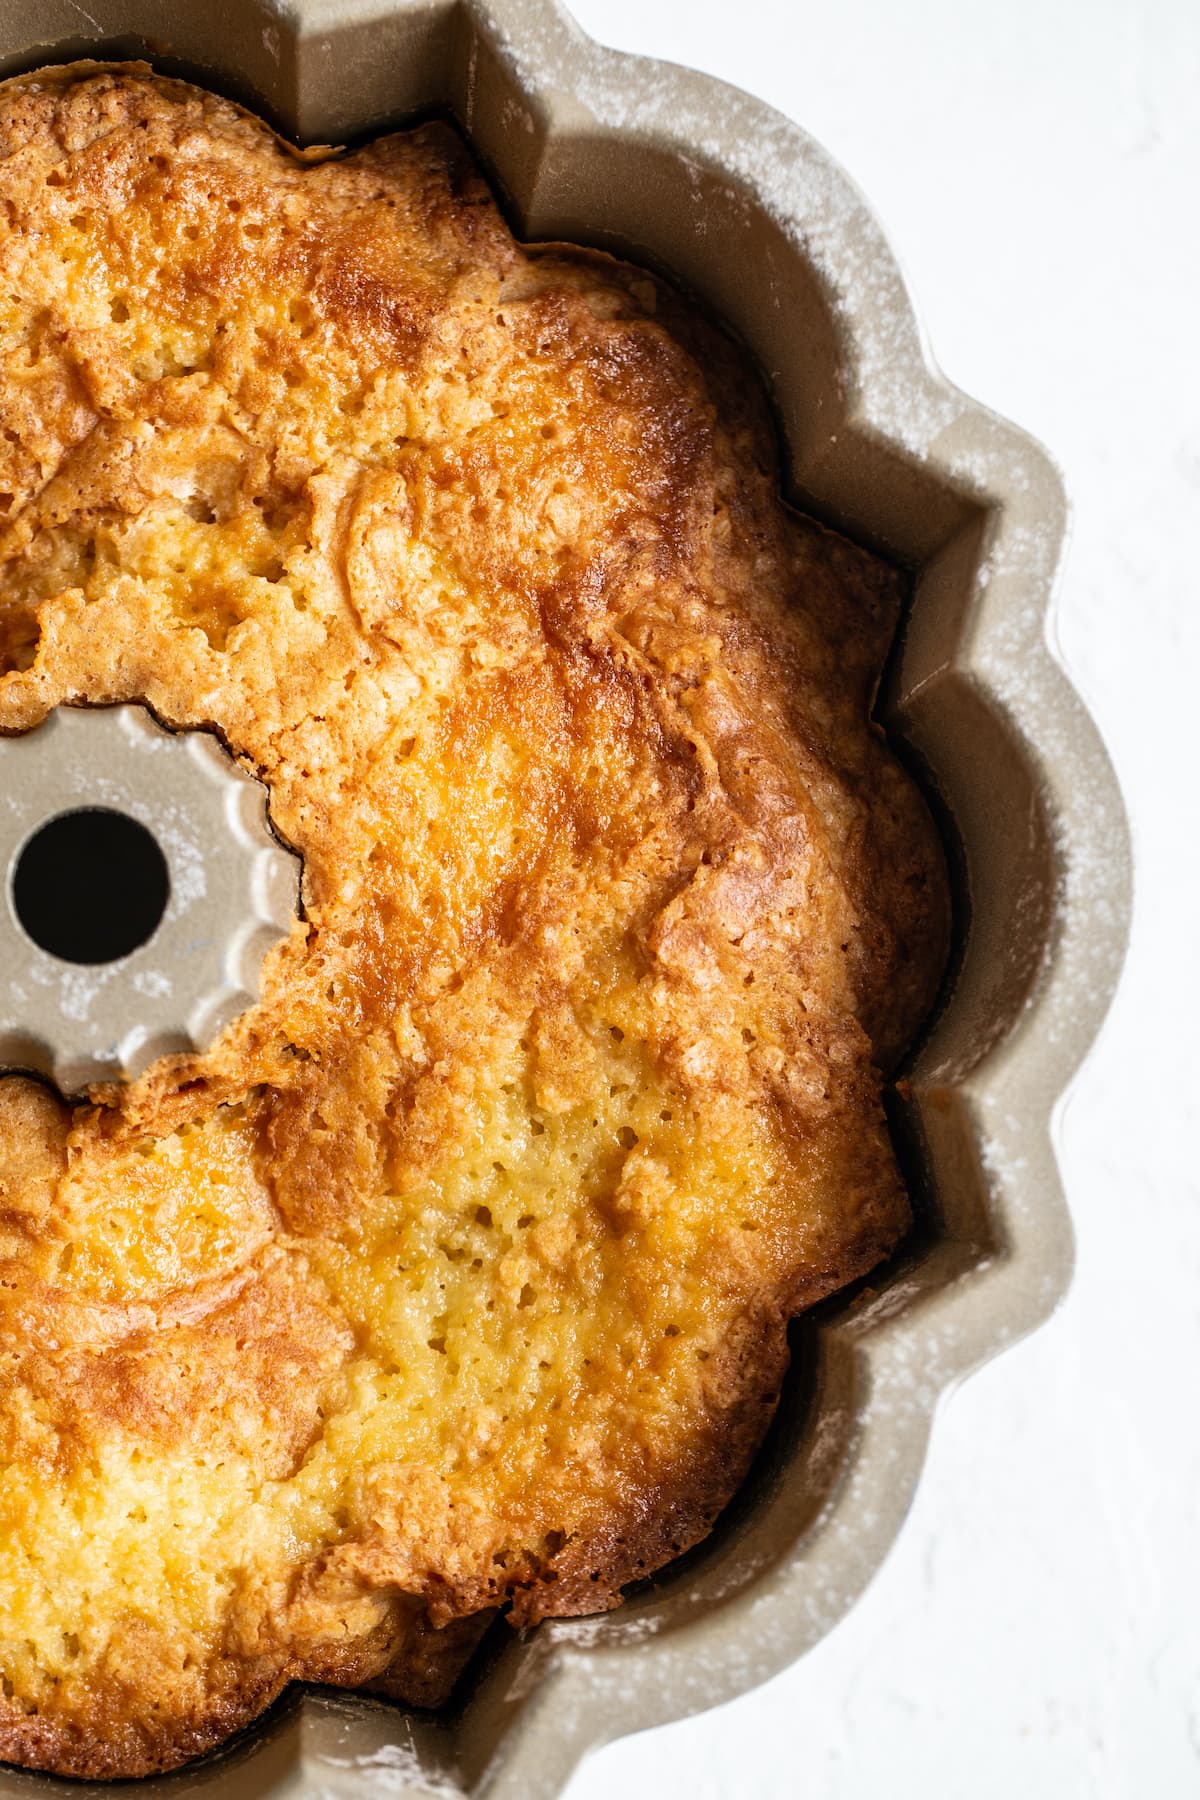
column 456, row 1275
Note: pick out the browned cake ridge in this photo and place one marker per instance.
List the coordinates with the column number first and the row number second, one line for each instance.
column 455, row 1276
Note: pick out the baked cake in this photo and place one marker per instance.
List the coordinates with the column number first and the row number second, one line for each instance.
column 454, row 1278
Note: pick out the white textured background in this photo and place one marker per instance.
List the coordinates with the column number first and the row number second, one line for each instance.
column 1036, row 1631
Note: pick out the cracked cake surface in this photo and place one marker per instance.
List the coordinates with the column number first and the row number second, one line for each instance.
column 455, row 1276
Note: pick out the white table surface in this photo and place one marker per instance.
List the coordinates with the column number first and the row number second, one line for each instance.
column 1036, row 1631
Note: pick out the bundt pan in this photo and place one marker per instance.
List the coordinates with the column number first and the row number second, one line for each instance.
column 746, row 212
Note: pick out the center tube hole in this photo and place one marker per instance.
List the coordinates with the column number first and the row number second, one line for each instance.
column 91, row 886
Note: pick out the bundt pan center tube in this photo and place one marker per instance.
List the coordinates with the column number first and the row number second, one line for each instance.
column 144, row 888
column 728, row 199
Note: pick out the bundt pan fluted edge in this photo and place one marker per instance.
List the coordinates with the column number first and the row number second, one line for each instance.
column 729, row 198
